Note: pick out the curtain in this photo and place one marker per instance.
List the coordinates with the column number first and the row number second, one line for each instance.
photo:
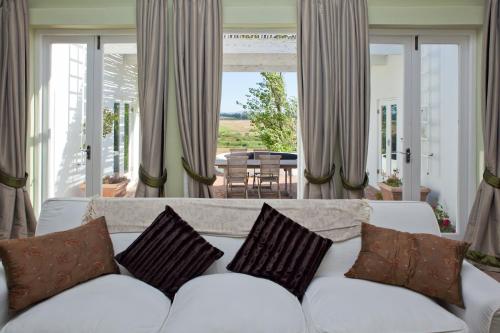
column 318, row 94
column 352, row 68
column 198, row 78
column 483, row 229
column 16, row 213
column 152, row 63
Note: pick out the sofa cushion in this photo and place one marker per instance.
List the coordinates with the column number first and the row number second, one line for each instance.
column 281, row 250
column 425, row 263
column 232, row 302
column 109, row 304
column 339, row 304
column 175, row 253
column 43, row 266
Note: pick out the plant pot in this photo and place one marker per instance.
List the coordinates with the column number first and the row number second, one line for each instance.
column 396, row 193
column 111, row 190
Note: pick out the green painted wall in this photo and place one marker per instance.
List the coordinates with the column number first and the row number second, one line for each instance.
column 256, row 14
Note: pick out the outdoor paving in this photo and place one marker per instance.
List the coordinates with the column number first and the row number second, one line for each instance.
column 220, row 192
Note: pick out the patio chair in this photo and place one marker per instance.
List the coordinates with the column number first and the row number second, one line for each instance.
column 257, row 153
column 238, row 152
column 269, row 173
column 236, row 174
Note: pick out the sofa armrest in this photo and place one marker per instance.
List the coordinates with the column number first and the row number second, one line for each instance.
column 481, row 296
column 4, row 298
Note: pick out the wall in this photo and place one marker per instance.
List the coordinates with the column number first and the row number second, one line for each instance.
column 244, row 14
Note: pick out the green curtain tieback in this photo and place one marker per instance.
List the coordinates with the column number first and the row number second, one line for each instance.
column 483, row 259
column 13, row 182
column 319, row 180
column 491, row 179
column 156, row 182
column 200, row 179
column 351, row 187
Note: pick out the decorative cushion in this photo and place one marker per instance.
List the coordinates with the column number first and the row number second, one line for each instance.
column 43, row 266
column 235, row 303
column 338, row 305
column 168, row 253
column 109, row 304
column 282, row 251
column 425, row 263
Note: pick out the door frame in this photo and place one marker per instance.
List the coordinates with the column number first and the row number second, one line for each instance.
column 468, row 109
column 45, row 59
column 42, row 39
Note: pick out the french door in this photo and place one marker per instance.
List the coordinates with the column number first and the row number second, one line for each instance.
column 422, row 119
column 89, row 114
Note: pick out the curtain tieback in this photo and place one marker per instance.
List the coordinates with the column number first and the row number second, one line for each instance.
column 200, row 179
column 353, row 187
column 483, row 259
column 13, row 182
column 156, row 182
column 321, row 179
column 491, row 179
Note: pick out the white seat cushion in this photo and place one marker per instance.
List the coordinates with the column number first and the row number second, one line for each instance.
column 338, row 304
column 229, row 303
column 109, row 304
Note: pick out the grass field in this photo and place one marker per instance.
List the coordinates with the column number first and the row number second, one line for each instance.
column 236, row 134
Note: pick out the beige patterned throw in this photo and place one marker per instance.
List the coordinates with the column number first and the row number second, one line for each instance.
column 338, row 220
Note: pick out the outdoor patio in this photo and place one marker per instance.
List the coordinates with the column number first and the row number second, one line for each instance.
column 220, row 192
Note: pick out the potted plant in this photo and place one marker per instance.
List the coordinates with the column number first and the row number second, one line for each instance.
column 443, row 219
column 391, row 188
column 112, row 186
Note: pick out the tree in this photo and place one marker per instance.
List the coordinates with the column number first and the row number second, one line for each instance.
column 273, row 115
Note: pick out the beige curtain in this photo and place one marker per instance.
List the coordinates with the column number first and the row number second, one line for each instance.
column 352, row 76
column 318, row 93
column 16, row 214
column 198, row 77
column 152, row 61
column 483, row 230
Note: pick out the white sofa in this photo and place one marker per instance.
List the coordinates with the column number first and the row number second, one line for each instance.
column 224, row 302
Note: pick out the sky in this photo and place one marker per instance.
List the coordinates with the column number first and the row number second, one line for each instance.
column 235, row 86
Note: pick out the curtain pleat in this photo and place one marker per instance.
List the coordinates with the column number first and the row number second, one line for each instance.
column 16, row 213
column 152, row 63
column 333, row 82
column 198, row 76
column 483, row 229
column 353, row 61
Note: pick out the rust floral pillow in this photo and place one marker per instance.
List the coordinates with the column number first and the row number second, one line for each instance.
column 424, row 263
column 40, row 267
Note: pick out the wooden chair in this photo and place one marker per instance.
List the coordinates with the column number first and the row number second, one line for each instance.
column 269, row 172
column 238, row 152
column 257, row 153
column 236, row 174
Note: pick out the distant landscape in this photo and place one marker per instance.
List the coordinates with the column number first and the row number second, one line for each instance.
column 236, row 133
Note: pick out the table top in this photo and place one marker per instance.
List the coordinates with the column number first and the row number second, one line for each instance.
column 221, row 163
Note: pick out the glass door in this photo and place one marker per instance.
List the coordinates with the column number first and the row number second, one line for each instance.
column 422, row 123
column 440, row 167
column 389, row 63
column 119, row 116
column 66, row 134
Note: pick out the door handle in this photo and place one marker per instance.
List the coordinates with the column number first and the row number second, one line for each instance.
column 407, row 154
column 88, row 152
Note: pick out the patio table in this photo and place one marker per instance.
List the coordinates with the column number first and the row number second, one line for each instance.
column 286, row 165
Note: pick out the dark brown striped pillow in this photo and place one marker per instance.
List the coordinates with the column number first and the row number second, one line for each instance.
column 281, row 250
column 168, row 254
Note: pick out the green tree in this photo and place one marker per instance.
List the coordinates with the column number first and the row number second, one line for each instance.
column 273, row 115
